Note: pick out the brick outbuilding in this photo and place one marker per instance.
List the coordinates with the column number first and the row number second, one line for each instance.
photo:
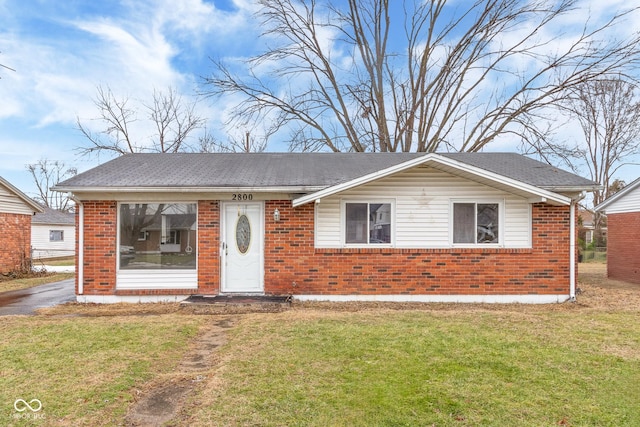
column 467, row 227
column 623, row 241
column 16, row 211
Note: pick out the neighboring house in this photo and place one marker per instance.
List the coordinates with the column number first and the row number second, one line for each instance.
column 623, row 230
column 587, row 227
column 16, row 211
column 53, row 234
column 468, row 227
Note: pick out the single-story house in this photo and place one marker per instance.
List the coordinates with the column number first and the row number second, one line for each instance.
column 16, row 211
column 53, row 234
column 623, row 233
column 467, row 227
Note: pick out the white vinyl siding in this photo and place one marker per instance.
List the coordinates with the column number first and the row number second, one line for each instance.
column 10, row 203
column 43, row 247
column 423, row 198
column 157, row 279
column 628, row 202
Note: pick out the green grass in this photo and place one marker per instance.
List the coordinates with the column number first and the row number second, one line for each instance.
column 67, row 261
column 464, row 368
column 84, row 370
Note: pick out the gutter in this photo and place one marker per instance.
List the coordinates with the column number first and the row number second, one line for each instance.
column 236, row 189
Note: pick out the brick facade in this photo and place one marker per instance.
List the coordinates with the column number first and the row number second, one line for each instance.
column 623, row 246
column 294, row 266
column 15, row 251
column 100, row 252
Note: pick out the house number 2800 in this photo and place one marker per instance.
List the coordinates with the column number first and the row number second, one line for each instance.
column 242, row 196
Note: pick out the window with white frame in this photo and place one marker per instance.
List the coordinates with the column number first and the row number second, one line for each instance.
column 476, row 223
column 367, row 223
column 56, row 235
column 145, row 229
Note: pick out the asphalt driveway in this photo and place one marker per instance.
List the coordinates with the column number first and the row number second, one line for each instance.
column 26, row 301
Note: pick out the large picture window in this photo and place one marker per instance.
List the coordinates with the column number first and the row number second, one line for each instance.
column 170, row 236
column 476, row 223
column 367, row 223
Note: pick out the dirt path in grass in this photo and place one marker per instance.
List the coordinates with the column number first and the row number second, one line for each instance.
column 162, row 399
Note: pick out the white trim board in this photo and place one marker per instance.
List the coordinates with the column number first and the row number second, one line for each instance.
column 133, row 299
column 468, row 299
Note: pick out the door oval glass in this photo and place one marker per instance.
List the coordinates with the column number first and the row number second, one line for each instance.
column 243, row 234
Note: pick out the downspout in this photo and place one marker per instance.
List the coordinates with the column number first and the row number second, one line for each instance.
column 572, row 247
column 80, row 266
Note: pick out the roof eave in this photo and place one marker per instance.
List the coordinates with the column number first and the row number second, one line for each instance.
column 572, row 189
column 235, row 189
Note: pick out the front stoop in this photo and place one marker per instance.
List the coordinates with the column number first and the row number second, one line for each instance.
column 237, row 303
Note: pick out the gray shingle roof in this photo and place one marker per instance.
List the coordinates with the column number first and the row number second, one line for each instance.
column 523, row 169
column 300, row 170
column 52, row 216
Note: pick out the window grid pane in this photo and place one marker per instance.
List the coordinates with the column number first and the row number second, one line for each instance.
column 464, row 224
column 380, row 223
column 356, row 223
column 487, row 223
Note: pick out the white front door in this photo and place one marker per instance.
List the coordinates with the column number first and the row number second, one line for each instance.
column 242, row 246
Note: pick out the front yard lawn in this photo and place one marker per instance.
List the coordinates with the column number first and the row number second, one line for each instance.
column 572, row 364
column 84, row 370
column 458, row 367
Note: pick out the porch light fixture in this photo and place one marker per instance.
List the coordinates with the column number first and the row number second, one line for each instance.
column 276, row 215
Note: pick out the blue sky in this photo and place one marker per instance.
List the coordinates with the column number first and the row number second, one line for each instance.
column 62, row 50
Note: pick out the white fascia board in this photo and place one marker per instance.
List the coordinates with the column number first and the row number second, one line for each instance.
column 602, row 206
column 435, row 158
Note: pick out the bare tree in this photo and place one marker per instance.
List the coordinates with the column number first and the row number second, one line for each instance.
column 6, row 67
column 46, row 174
column 249, row 144
column 608, row 112
column 173, row 121
column 462, row 74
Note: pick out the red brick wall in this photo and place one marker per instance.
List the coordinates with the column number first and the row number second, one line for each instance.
column 623, row 246
column 100, row 252
column 15, row 251
column 293, row 266
column 208, row 247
